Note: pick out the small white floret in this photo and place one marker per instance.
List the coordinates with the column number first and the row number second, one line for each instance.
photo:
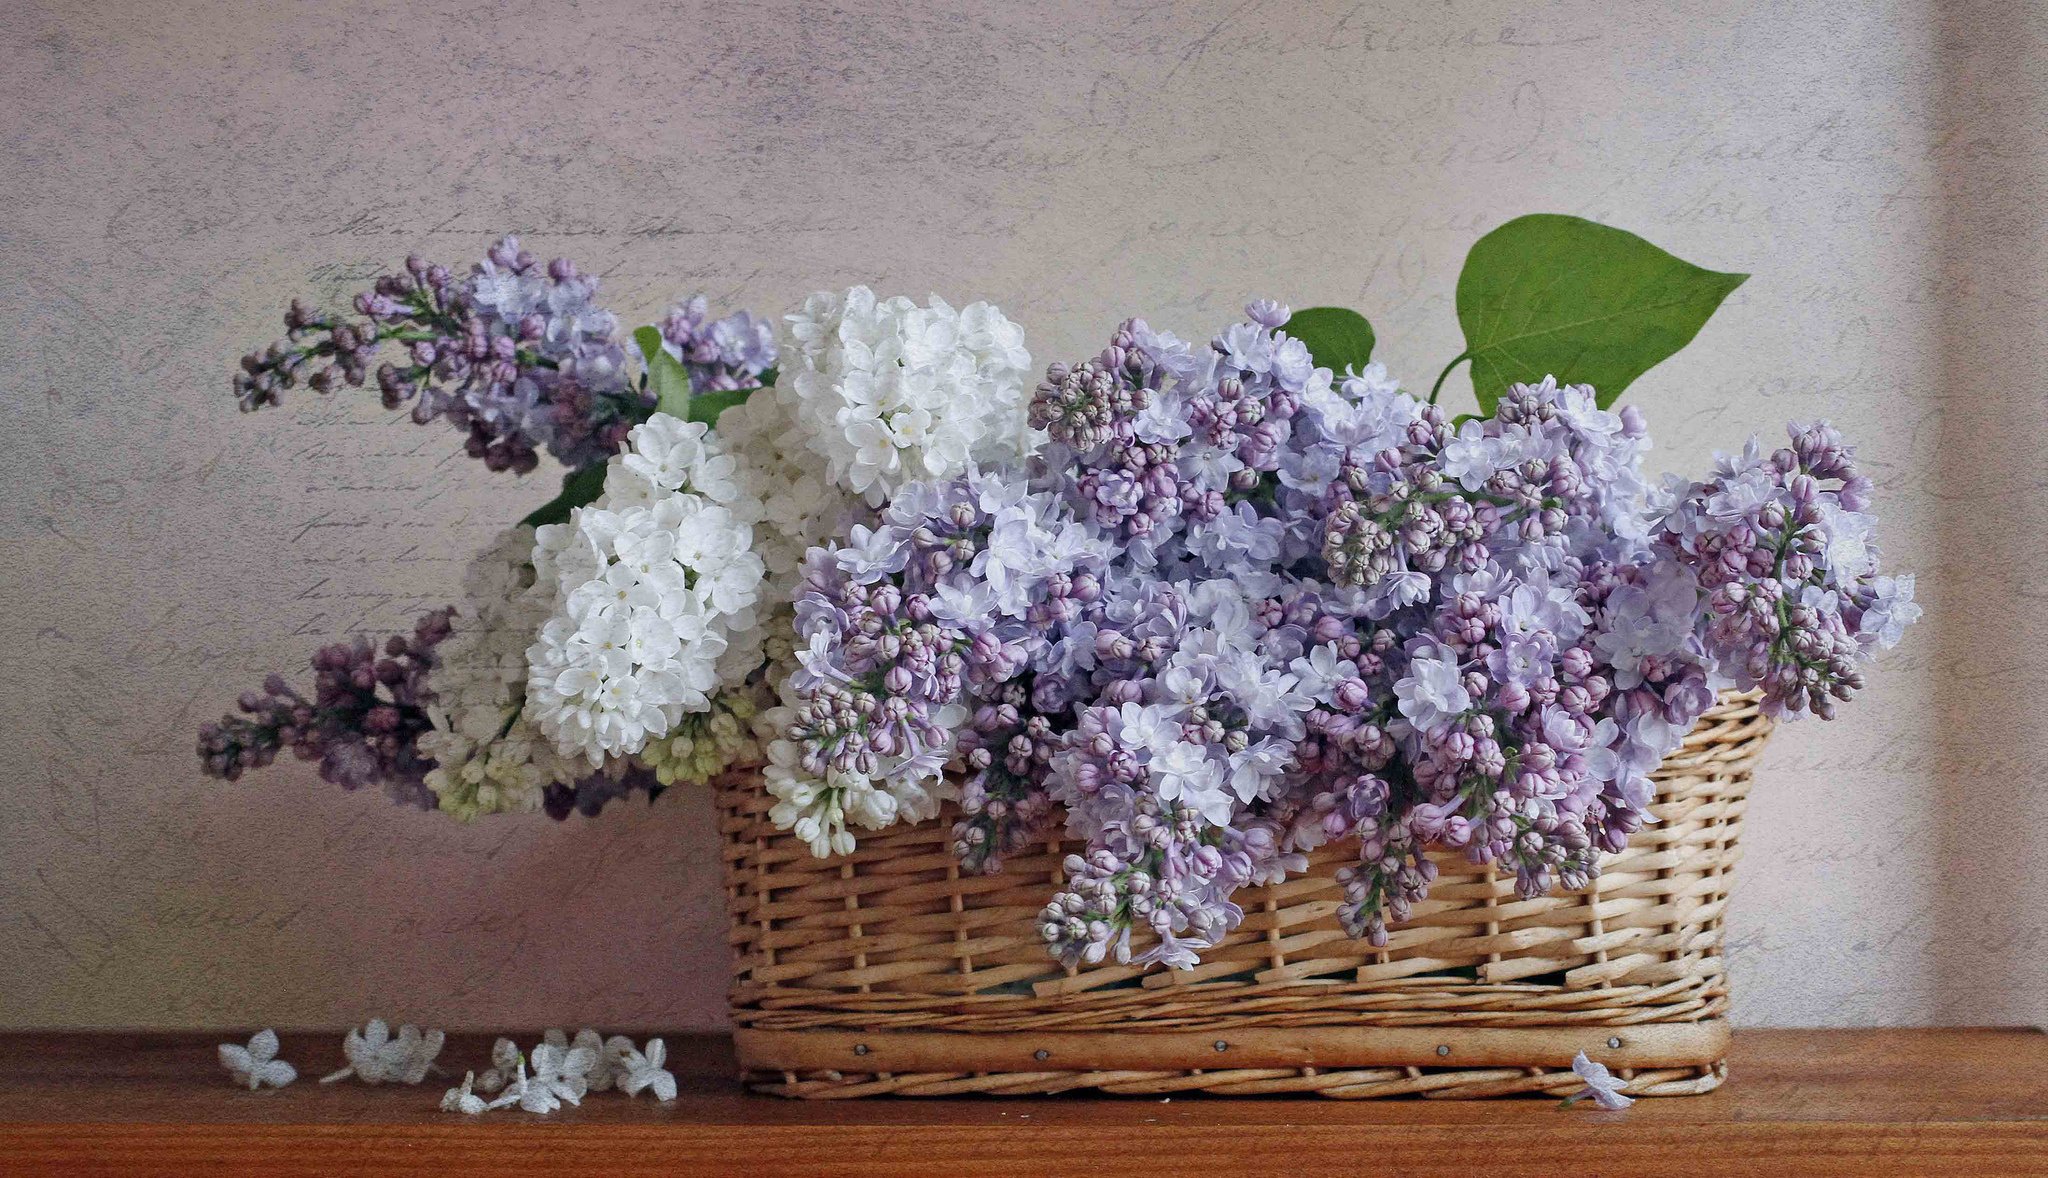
column 257, row 1064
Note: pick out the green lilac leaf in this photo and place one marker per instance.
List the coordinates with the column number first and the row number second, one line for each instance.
column 579, row 488
column 706, row 407
column 667, row 379
column 670, row 383
column 1337, row 338
column 1551, row 295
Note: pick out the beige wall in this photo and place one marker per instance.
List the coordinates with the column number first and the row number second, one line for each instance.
column 174, row 173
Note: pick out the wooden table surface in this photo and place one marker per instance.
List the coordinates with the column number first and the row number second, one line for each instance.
column 1797, row 1102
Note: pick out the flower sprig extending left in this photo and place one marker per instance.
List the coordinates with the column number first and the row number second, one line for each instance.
column 520, row 357
column 517, row 355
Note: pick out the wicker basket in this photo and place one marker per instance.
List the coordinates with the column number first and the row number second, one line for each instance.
column 887, row 971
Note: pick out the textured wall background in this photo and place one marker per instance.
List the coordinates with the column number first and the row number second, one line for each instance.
column 174, row 172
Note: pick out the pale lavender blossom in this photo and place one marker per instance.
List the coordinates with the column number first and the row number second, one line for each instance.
column 1236, row 609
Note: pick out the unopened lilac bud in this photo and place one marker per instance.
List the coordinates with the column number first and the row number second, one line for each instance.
column 1352, row 695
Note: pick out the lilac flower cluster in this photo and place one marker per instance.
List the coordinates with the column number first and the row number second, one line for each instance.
column 521, row 358
column 944, row 592
column 362, row 723
column 1782, row 545
column 1238, row 607
column 517, row 355
column 736, row 352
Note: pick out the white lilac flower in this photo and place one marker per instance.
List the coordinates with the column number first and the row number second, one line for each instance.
column 801, row 506
column 463, row 1098
column 583, row 1056
column 488, row 756
column 257, row 1064
column 639, row 1070
column 504, row 1061
column 522, row 1092
column 655, row 592
column 563, row 1072
column 376, row 1057
column 887, row 392
column 1602, row 1085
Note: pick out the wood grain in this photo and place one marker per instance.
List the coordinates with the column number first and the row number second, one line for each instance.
column 1825, row 1103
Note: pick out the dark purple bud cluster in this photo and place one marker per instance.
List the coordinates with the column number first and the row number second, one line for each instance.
column 361, row 724
column 591, row 794
column 1004, row 806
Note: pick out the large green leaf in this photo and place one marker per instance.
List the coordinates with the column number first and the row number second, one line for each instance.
column 1550, row 295
column 1338, row 338
column 579, row 487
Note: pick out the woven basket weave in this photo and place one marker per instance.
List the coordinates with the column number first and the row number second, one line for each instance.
column 888, row 971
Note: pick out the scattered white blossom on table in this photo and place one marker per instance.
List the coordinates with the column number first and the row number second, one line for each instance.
column 521, row 1092
column 640, row 1070
column 565, row 1071
column 596, row 1073
column 463, row 1098
column 504, row 1064
column 560, row 1075
column 257, row 1064
column 375, row 1057
column 1602, row 1085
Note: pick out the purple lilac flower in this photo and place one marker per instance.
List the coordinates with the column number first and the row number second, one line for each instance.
column 1233, row 688
column 517, row 355
column 1784, row 550
column 592, row 793
column 361, row 724
column 1251, row 609
column 915, row 639
column 735, row 352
